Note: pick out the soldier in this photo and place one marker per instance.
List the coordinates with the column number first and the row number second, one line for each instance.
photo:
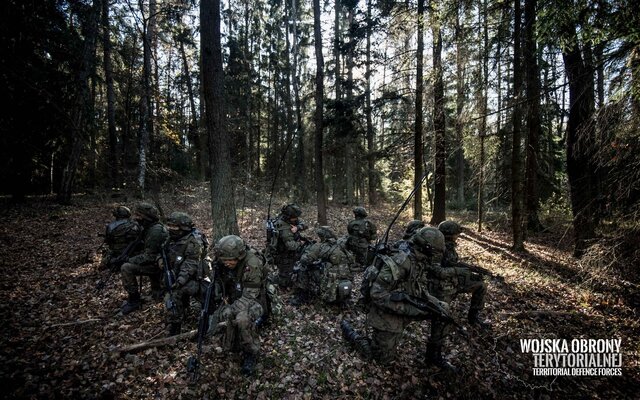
column 464, row 280
column 326, row 265
column 402, row 275
column 361, row 232
column 118, row 236
column 241, row 289
column 289, row 243
column 155, row 237
column 186, row 253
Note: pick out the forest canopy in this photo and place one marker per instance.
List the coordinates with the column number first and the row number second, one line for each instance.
column 526, row 107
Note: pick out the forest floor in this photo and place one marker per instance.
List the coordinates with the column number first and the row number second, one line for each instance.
column 59, row 336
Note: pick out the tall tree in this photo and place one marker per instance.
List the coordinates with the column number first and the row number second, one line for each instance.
column 533, row 116
column 223, row 209
column 321, row 200
column 111, row 97
column 371, row 174
column 483, row 88
column 581, row 106
column 516, row 160
column 440, row 181
column 417, row 139
column 80, row 115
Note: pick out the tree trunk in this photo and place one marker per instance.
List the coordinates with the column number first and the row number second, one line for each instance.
column 483, row 72
column 439, row 192
column 319, row 175
column 581, row 104
column 114, row 177
column 194, row 132
column 79, row 113
column 516, row 161
column 417, row 140
column 533, row 117
column 460, row 100
column 301, row 179
column 223, row 209
column 371, row 173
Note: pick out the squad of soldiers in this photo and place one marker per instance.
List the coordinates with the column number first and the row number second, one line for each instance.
column 413, row 279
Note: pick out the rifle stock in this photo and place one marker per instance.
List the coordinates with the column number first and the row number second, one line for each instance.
column 115, row 265
column 193, row 363
column 168, row 278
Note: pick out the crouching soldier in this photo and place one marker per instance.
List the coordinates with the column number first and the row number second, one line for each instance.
column 324, row 267
column 155, row 237
column 361, row 232
column 241, row 289
column 121, row 238
column 394, row 288
column 462, row 279
column 290, row 243
column 185, row 255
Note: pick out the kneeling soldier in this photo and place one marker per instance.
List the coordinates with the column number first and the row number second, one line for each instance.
column 327, row 266
column 185, row 255
column 241, row 288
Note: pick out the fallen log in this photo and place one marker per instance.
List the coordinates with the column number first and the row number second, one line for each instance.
column 165, row 341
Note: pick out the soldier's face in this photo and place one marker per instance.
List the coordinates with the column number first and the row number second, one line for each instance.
column 454, row 238
column 293, row 220
column 231, row 264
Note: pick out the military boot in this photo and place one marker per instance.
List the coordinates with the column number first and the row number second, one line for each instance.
column 132, row 304
column 174, row 328
column 248, row 364
column 434, row 357
column 475, row 320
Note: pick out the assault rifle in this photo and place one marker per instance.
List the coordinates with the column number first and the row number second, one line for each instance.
column 169, row 281
column 193, row 363
column 432, row 308
column 479, row 270
column 114, row 266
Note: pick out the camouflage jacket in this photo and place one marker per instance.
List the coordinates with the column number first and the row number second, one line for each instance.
column 400, row 272
column 120, row 233
column 362, row 230
column 185, row 255
column 328, row 251
column 287, row 240
column 245, row 284
column 155, row 237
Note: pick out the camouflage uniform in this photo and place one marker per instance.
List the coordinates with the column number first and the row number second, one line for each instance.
column 460, row 279
column 119, row 234
column 361, row 232
column 146, row 263
column 400, row 272
column 186, row 252
column 242, row 292
column 290, row 244
column 333, row 276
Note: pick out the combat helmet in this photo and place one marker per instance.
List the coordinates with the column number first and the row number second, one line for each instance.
column 181, row 220
column 412, row 227
column 449, row 228
column 230, row 247
column 324, row 233
column 291, row 210
column 147, row 211
column 429, row 239
column 360, row 212
column 121, row 212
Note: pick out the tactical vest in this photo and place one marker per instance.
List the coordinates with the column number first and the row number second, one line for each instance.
column 120, row 233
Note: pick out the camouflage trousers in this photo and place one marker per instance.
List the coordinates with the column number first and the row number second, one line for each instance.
column 130, row 271
column 239, row 332
column 181, row 298
column 467, row 282
column 285, row 262
column 384, row 344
